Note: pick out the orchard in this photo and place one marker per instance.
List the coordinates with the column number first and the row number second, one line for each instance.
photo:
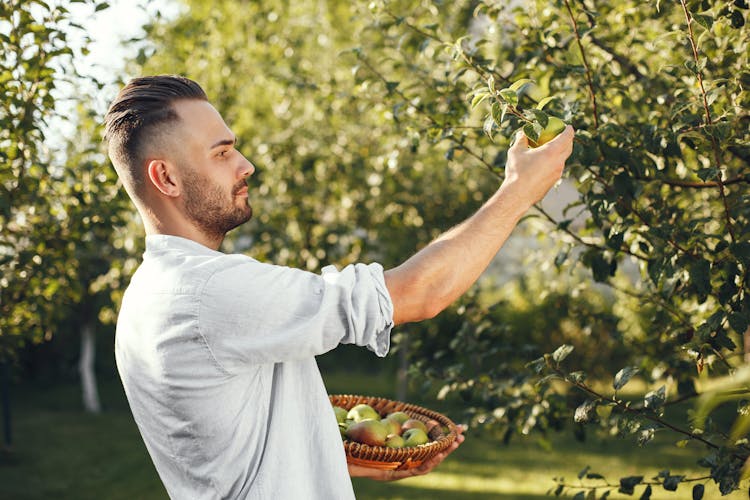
column 405, row 109
column 376, row 126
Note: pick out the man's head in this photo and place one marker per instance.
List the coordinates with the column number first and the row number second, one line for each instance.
column 176, row 156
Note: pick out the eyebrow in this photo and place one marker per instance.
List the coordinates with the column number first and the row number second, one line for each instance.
column 225, row 142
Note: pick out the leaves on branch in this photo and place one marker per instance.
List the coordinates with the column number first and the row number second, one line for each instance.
column 623, row 376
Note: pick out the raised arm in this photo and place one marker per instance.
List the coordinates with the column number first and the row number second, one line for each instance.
column 441, row 272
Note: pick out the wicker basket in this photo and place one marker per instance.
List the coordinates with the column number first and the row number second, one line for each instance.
column 382, row 457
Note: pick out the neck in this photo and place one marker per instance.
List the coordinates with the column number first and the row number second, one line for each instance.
column 154, row 224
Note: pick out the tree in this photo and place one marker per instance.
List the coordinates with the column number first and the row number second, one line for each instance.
column 59, row 214
column 375, row 126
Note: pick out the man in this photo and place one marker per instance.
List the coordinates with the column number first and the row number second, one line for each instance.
column 216, row 352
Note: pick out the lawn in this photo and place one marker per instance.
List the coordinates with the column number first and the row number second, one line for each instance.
column 60, row 452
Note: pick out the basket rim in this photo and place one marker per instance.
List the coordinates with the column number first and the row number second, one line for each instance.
column 383, row 456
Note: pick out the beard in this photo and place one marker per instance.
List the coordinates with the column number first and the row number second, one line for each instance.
column 209, row 207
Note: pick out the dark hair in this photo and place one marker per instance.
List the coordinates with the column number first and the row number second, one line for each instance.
column 134, row 117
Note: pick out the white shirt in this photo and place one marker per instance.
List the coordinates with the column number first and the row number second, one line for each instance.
column 216, row 355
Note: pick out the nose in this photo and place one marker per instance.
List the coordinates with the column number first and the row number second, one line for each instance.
column 247, row 169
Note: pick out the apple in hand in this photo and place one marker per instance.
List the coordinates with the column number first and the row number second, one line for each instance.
column 553, row 128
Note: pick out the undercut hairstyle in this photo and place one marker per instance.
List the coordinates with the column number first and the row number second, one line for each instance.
column 138, row 117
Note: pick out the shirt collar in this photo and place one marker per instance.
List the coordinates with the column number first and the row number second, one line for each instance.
column 164, row 242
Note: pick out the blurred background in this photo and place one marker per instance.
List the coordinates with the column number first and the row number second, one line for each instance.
column 600, row 355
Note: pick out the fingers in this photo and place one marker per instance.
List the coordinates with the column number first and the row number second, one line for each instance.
column 520, row 141
column 563, row 142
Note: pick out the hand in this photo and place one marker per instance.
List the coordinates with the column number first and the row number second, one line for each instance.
column 533, row 171
column 394, row 475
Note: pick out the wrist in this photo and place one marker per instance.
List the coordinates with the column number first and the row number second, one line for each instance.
column 514, row 200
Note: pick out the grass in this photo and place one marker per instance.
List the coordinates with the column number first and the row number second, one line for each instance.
column 63, row 453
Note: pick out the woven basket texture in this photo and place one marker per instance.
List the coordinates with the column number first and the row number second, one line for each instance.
column 382, row 457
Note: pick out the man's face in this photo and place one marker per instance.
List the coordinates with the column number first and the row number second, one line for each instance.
column 212, row 171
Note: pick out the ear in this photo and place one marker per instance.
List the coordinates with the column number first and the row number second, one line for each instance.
column 162, row 177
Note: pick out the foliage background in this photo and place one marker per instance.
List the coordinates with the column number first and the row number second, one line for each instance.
column 375, row 126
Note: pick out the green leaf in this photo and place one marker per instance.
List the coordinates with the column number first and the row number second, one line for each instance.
column 498, row 112
column 540, row 116
column 478, row 98
column 584, row 471
column 628, row 484
column 700, row 271
column 703, row 20
column 698, row 490
column 654, row 400
column 491, row 84
column 509, row 96
column 577, row 377
column 545, row 101
column 741, row 250
column 562, row 352
column 531, row 132
column 645, row 436
column 623, row 377
column 584, row 412
column 708, row 174
column 739, row 322
column 518, row 85
column 671, row 482
column 646, row 495
column 738, row 21
column 537, row 365
column 489, row 124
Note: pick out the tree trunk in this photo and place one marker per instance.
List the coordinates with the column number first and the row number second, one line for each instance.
column 86, row 369
column 746, row 341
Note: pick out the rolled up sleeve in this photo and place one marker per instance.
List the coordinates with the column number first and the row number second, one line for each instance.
column 253, row 313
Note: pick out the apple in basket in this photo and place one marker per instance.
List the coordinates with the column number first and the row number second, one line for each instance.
column 363, row 424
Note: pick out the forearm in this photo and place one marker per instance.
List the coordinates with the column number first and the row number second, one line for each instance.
column 437, row 275
column 441, row 272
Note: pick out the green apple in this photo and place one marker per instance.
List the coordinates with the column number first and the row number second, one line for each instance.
column 394, row 427
column 342, row 429
column 362, row 412
column 553, row 128
column 340, row 413
column 415, row 437
column 368, row 431
column 394, row 441
column 413, row 423
column 398, row 416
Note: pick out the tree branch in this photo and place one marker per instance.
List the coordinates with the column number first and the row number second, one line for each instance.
column 627, row 409
column 709, row 120
column 589, row 78
column 694, row 184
